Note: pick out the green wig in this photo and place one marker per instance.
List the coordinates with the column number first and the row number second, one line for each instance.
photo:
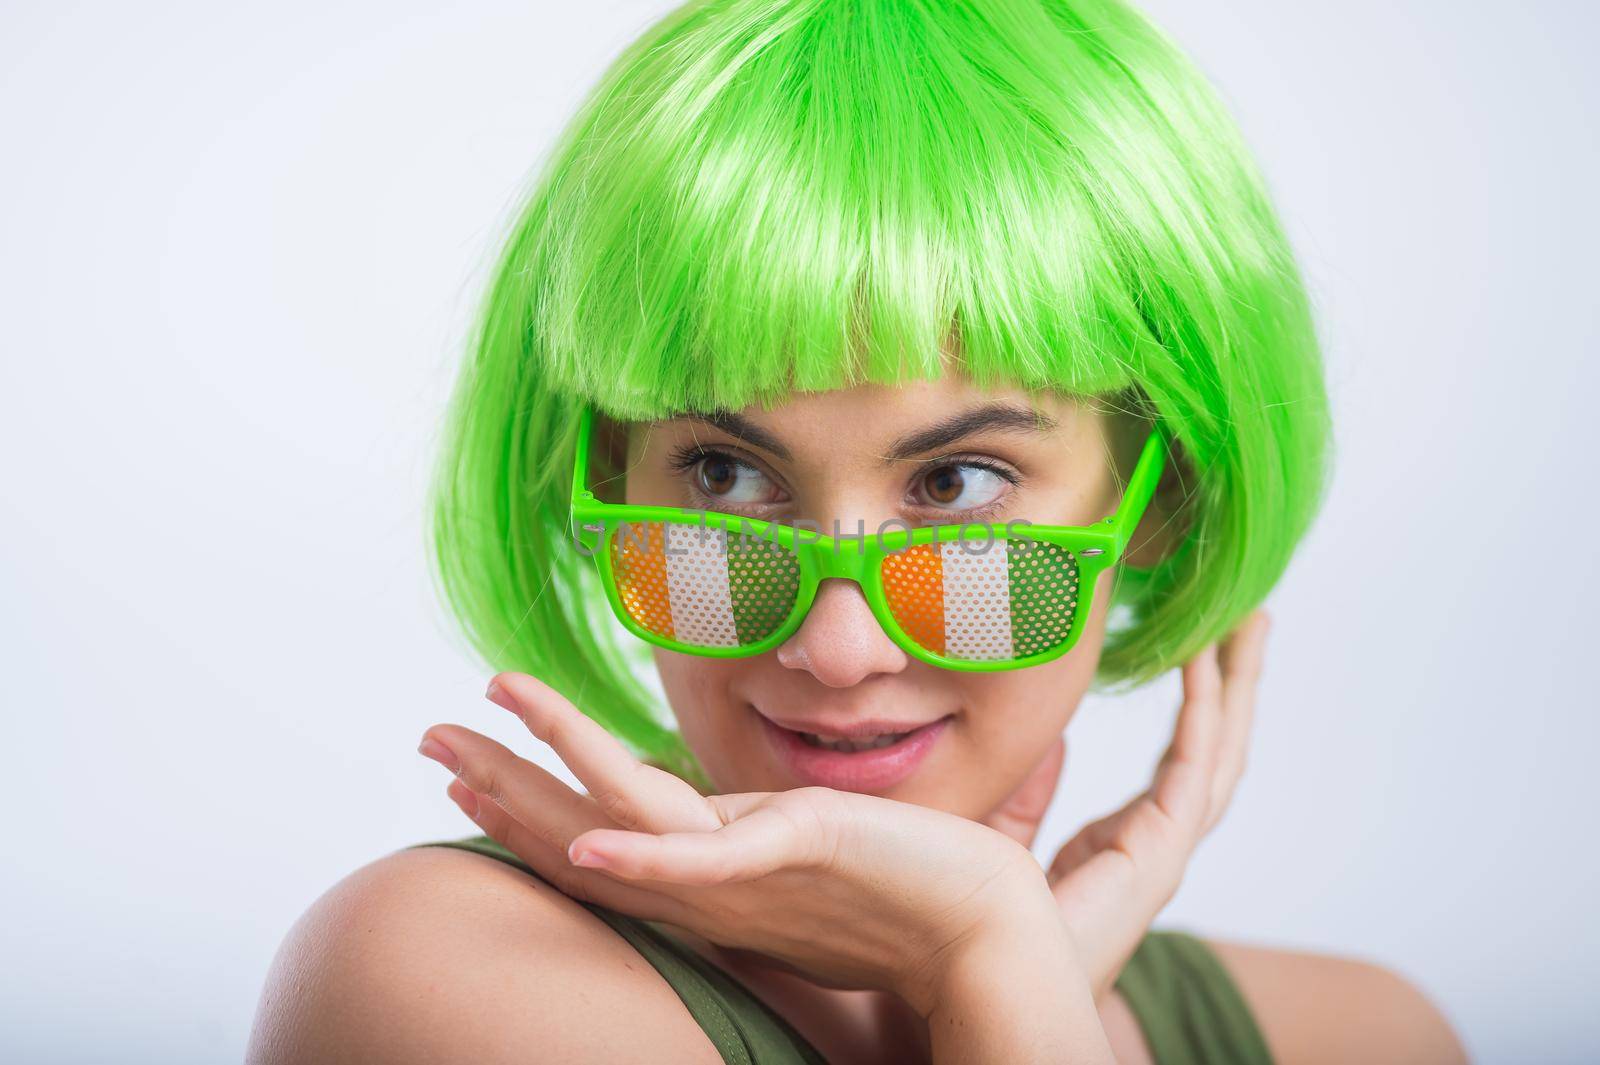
column 763, row 196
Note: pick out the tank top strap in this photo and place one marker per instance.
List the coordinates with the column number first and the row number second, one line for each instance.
column 1188, row 1005
column 744, row 1029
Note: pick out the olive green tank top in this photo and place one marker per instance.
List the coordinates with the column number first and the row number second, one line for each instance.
column 1186, row 1004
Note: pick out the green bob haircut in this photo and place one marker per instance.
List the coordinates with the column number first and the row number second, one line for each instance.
column 768, row 196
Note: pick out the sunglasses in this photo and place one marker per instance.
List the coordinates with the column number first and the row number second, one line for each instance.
column 728, row 586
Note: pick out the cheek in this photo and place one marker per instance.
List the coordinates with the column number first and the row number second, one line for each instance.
column 1012, row 719
column 692, row 686
column 711, row 720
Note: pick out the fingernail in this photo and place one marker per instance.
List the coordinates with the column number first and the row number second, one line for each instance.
column 432, row 748
column 499, row 697
column 588, row 859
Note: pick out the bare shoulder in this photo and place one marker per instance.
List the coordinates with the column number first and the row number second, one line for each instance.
column 1315, row 1008
column 441, row 955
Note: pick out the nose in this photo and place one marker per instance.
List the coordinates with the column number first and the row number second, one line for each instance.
column 840, row 642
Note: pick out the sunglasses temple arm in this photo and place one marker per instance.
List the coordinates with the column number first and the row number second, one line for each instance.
column 580, row 461
column 1141, row 488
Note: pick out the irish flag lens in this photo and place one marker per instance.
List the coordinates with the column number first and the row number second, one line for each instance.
column 700, row 586
column 983, row 602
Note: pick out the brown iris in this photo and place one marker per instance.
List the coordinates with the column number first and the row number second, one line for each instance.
column 718, row 475
column 945, row 484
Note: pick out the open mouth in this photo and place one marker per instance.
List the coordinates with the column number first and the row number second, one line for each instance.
column 846, row 746
column 873, row 759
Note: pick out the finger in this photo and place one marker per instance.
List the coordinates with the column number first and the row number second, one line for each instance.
column 1178, row 785
column 1181, row 787
column 735, row 805
column 1112, row 880
column 551, row 865
column 1241, row 659
column 1090, row 840
column 1115, row 875
column 631, row 793
column 1106, row 916
column 761, row 843
column 1019, row 815
column 535, row 798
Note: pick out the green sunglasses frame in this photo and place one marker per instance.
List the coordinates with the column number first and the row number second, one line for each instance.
column 1094, row 548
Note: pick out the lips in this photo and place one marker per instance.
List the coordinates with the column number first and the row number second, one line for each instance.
column 848, row 746
column 867, row 756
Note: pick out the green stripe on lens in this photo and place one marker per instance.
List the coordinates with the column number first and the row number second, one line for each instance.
column 1044, row 595
column 763, row 580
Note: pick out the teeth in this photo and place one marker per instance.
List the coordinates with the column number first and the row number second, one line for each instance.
column 851, row 746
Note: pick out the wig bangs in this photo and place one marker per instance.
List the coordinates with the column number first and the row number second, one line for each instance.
column 859, row 192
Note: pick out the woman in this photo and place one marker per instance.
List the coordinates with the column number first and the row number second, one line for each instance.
column 961, row 365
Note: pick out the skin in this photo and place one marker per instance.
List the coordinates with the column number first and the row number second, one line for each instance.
column 912, row 924
column 840, row 665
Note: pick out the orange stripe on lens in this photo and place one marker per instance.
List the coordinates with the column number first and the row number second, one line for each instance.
column 913, row 587
column 639, row 563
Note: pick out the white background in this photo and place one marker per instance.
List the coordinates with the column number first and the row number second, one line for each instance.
column 238, row 245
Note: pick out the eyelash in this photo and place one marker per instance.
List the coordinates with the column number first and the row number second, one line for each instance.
column 687, row 456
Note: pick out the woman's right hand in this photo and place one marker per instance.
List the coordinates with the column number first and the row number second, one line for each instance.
column 852, row 890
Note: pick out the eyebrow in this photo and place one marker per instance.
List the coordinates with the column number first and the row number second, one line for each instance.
column 744, row 430
column 988, row 417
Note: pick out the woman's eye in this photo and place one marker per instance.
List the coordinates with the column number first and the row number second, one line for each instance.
column 962, row 486
column 730, row 481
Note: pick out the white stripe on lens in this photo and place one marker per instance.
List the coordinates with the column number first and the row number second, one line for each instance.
column 697, row 586
column 977, row 600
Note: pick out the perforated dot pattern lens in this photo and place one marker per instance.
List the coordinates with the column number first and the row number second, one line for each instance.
column 701, row 586
column 987, row 600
